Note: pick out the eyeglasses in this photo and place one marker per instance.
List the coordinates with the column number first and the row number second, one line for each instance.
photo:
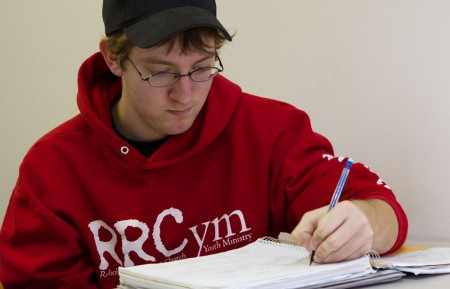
column 161, row 79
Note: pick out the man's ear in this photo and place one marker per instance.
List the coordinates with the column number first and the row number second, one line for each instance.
column 111, row 59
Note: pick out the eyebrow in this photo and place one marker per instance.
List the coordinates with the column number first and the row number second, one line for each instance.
column 163, row 62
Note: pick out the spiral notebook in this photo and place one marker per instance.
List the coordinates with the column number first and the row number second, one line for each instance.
column 265, row 263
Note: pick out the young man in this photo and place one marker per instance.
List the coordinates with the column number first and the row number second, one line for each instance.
column 170, row 160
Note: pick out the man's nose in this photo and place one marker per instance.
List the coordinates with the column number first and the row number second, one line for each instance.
column 182, row 89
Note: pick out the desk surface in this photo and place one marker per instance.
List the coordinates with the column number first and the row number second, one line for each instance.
column 408, row 282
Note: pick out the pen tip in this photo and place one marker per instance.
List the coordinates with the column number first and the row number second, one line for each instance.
column 311, row 260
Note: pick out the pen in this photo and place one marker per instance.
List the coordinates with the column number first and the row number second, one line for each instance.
column 337, row 194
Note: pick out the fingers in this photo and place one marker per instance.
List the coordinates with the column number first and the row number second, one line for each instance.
column 305, row 229
column 352, row 239
column 344, row 233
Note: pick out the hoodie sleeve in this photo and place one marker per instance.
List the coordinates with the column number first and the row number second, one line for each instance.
column 54, row 259
column 306, row 172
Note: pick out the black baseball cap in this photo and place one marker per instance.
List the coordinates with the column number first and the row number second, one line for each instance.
column 150, row 22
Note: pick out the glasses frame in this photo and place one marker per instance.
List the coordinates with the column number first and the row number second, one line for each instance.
column 177, row 75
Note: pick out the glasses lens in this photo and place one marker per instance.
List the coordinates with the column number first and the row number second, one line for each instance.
column 204, row 74
column 163, row 79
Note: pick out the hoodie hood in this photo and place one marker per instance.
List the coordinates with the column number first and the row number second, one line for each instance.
column 98, row 88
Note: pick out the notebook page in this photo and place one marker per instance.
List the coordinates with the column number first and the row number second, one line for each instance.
column 427, row 257
column 252, row 266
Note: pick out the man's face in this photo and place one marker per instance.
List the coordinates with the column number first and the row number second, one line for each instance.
column 150, row 113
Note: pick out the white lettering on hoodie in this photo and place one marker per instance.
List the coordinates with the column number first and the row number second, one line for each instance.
column 136, row 245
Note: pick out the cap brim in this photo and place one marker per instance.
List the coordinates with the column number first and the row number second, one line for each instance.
column 161, row 26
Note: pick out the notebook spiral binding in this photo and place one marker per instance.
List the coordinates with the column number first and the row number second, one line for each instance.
column 279, row 242
column 375, row 259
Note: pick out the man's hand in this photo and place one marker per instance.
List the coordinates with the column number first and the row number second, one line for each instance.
column 348, row 231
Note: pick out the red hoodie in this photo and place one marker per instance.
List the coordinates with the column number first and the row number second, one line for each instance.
column 87, row 202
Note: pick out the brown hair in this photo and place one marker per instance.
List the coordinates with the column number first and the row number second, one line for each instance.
column 193, row 39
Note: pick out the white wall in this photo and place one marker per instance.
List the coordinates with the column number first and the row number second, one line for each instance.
column 373, row 75
column 42, row 45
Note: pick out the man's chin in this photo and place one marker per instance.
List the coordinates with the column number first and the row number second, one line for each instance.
column 180, row 129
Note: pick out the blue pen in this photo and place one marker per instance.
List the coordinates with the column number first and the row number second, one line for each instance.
column 337, row 193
